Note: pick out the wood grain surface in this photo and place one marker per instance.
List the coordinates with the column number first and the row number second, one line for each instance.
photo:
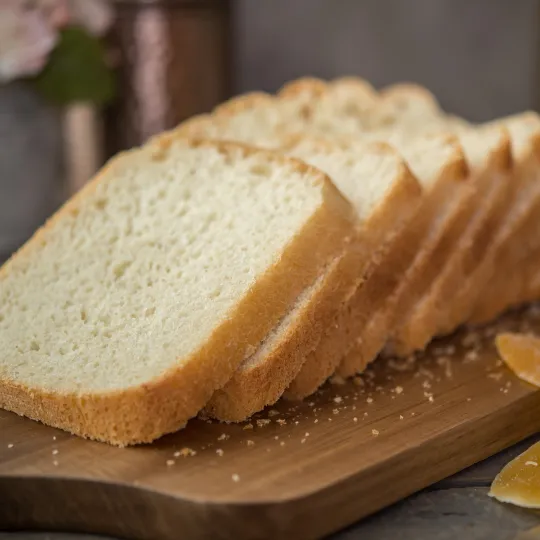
column 297, row 470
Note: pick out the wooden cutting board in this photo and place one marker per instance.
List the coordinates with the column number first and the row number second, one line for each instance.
column 295, row 471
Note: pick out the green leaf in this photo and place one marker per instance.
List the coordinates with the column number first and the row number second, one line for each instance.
column 77, row 70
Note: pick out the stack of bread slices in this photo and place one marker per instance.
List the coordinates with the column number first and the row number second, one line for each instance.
column 255, row 252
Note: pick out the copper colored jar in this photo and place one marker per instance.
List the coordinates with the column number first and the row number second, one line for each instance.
column 173, row 60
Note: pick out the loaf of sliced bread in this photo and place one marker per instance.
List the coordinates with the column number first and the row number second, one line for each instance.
column 144, row 293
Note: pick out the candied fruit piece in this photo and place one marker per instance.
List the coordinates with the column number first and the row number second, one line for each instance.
column 518, row 482
column 521, row 353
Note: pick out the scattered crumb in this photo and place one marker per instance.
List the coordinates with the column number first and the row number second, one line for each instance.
column 311, row 404
column 375, row 432
column 55, row 463
column 358, row 381
column 401, row 417
column 354, row 407
column 276, row 437
column 398, row 389
column 413, row 414
column 268, row 450
column 430, row 398
column 263, row 422
column 235, row 478
column 296, row 422
column 495, row 376
column 337, row 380
column 426, row 372
column 365, row 414
column 329, row 419
column 223, row 437
column 428, row 394
column 303, row 441
column 355, row 419
column 219, row 452
column 54, row 438
column 273, row 412
column 250, row 442
column 531, row 463
column 338, row 399
column 170, row 462
column 426, row 384
column 316, row 420
column 185, row 452
column 369, row 400
column 307, row 434
column 55, row 452
column 281, row 421
column 248, row 426
column 469, row 399
column 282, row 443
column 335, row 411
column 470, row 356
column 10, row 445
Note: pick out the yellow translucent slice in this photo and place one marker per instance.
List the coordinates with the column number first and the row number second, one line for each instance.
column 521, row 353
column 519, row 481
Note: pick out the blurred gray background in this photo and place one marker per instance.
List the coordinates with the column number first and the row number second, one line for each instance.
column 480, row 57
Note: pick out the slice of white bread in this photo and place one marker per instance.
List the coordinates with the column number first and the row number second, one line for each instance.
column 487, row 151
column 439, row 164
column 146, row 291
column 518, row 230
column 385, row 193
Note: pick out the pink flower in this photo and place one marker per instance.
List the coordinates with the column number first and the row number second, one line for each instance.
column 26, row 39
column 96, row 15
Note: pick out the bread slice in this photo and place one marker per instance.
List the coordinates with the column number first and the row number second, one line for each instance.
column 439, row 164
column 145, row 292
column 487, row 151
column 512, row 246
column 385, row 193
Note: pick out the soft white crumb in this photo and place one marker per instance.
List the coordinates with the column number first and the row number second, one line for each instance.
column 375, row 432
column 170, row 462
column 355, row 419
column 338, row 399
column 54, row 452
column 223, row 437
column 531, row 463
column 219, row 452
column 235, row 478
column 10, row 445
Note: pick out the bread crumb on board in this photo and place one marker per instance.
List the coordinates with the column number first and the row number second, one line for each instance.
column 235, row 478
column 219, row 452
column 375, row 432
column 185, row 452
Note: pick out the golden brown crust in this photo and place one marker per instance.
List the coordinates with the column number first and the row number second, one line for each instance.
column 165, row 404
column 476, row 293
column 263, row 382
column 397, row 209
column 403, row 94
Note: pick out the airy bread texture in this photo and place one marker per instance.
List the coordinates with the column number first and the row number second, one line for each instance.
column 141, row 297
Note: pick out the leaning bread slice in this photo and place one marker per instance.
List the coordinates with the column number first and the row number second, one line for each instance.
column 488, row 154
column 480, row 292
column 141, row 297
column 383, row 192
column 439, row 164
